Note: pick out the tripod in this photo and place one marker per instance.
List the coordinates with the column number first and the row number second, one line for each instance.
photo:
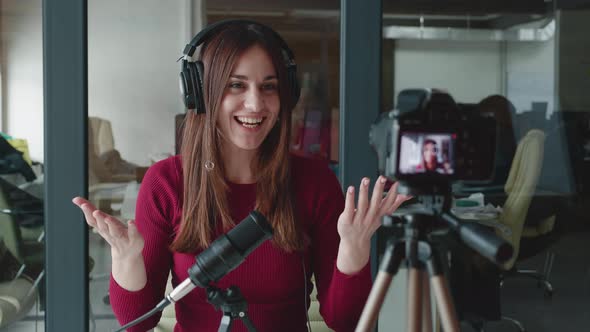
column 233, row 306
column 418, row 254
column 415, row 249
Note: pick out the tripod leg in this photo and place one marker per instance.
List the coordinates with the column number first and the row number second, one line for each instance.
column 442, row 296
column 426, row 305
column 389, row 266
column 248, row 323
column 415, row 276
column 226, row 323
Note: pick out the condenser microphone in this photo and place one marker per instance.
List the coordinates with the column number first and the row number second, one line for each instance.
column 223, row 255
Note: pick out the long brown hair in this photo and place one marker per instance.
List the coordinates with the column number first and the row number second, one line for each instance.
column 205, row 192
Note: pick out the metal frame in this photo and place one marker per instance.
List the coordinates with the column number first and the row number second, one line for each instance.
column 65, row 122
column 360, row 92
column 360, row 87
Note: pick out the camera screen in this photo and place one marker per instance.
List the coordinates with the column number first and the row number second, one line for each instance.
column 427, row 153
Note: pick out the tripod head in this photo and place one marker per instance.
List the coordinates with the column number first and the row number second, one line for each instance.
column 433, row 213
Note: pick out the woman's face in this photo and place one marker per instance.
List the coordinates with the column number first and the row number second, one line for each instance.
column 429, row 153
column 250, row 104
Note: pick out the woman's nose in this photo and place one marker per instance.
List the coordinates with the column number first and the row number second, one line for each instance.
column 254, row 101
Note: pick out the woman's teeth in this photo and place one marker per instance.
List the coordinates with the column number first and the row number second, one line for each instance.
column 249, row 122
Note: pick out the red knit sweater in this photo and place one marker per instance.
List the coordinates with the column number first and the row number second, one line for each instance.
column 271, row 280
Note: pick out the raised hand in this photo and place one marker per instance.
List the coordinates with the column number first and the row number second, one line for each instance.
column 125, row 240
column 356, row 225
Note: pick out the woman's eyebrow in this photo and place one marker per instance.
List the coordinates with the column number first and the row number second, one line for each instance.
column 245, row 78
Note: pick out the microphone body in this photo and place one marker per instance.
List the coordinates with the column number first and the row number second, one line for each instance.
column 225, row 254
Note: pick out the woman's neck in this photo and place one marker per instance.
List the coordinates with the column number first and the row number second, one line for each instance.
column 238, row 164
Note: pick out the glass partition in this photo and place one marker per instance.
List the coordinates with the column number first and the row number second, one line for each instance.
column 22, row 268
column 521, row 66
column 133, row 99
column 136, row 114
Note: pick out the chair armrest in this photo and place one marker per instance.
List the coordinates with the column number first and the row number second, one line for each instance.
column 541, row 228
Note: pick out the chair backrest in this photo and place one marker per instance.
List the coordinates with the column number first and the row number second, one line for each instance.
column 521, row 185
column 9, row 228
column 100, row 135
column 100, row 140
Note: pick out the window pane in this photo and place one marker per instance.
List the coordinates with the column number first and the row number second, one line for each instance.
column 133, row 99
column 524, row 65
column 22, row 293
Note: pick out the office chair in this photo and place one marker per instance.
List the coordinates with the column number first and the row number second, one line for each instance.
column 108, row 172
column 17, row 292
column 22, row 269
column 520, row 189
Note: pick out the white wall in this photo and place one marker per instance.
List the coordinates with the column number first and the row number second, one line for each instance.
column 22, row 72
column 133, row 74
column 133, row 46
column 530, row 74
column 469, row 71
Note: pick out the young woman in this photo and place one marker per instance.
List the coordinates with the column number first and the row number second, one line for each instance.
column 430, row 161
column 234, row 159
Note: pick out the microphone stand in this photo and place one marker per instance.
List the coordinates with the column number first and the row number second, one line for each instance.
column 232, row 304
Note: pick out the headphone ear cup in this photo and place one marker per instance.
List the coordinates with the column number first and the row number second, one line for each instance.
column 199, row 71
column 186, row 86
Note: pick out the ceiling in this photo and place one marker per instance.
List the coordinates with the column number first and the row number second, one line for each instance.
column 297, row 16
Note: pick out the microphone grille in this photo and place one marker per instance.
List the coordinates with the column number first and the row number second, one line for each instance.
column 250, row 233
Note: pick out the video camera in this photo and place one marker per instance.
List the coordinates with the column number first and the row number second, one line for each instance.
column 429, row 139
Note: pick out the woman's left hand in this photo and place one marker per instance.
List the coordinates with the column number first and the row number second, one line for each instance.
column 357, row 225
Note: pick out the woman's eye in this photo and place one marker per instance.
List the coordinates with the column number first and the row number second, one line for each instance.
column 236, row 85
column 269, row 87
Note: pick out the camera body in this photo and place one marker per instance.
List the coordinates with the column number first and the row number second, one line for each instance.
column 431, row 140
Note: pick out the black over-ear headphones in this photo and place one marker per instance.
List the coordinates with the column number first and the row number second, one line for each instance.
column 192, row 72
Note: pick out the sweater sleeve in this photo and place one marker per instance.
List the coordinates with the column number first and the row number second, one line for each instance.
column 342, row 297
column 154, row 214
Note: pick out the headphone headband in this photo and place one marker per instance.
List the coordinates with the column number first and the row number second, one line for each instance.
column 192, row 72
column 204, row 34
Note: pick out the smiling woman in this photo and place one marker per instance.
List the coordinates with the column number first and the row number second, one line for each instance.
column 250, row 107
column 234, row 159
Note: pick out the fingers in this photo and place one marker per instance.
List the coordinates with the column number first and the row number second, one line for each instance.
column 79, row 201
column 87, row 208
column 376, row 196
column 132, row 229
column 393, row 202
column 363, row 198
column 398, row 201
column 349, row 202
column 389, row 200
column 110, row 228
column 88, row 211
column 116, row 227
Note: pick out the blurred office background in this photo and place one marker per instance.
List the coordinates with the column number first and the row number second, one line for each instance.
column 533, row 55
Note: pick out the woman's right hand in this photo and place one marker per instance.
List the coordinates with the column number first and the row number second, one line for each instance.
column 125, row 240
